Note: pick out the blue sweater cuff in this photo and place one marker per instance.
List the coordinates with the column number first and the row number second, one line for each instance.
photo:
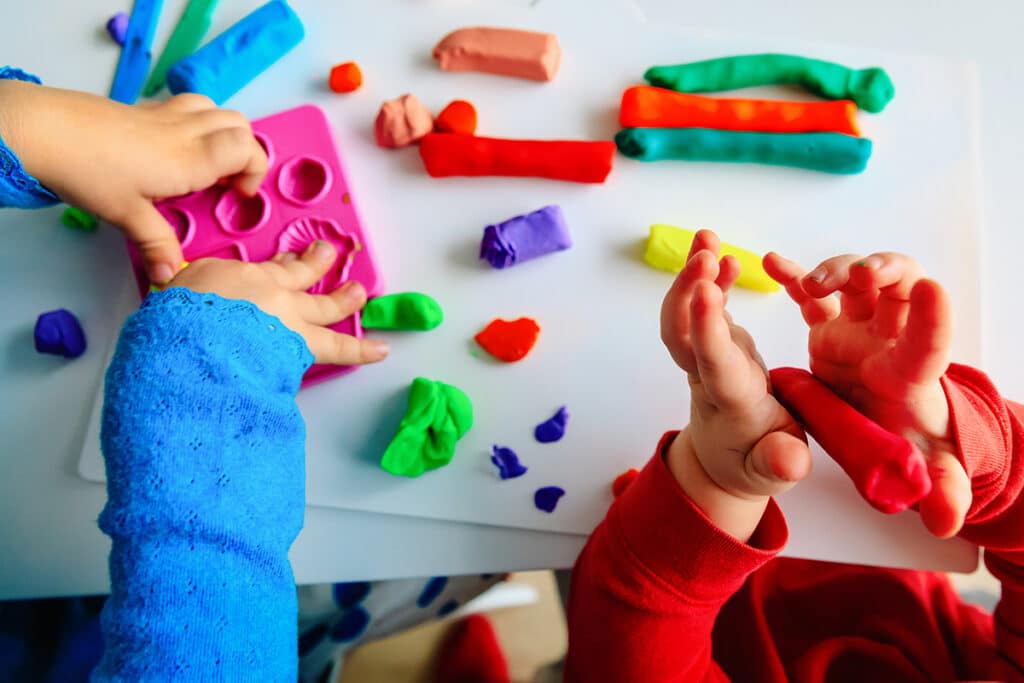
column 17, row 188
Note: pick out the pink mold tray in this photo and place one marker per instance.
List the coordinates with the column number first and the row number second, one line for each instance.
column 305, row 197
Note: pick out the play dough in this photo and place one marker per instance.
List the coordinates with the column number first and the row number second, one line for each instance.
column 546, row 497
column 117, row 27
column 59, row 333
column 507, row 462
column 405, row 311
column 509, row 341
column 581, row 161
column 458, row 117
column 552, row 429
column 78, row 219
column 871, row 88
column 187, row 35
column 623, row 481
column 503, row 51
column 345, row 77
column 525, row 237
column 437, row 416
column 133, row 64
column 888, row 470
column 402, row 122
column 644, row 106
column 827, row 152
column 668, row 247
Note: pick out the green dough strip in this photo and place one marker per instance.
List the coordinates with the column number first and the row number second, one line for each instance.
column 828, row 152
column 191, row 28
column 436, row 417
column 78, row 219
column 870, row 88
column 406, row 311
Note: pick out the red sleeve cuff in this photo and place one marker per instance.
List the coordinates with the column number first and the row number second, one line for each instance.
column 669, row 535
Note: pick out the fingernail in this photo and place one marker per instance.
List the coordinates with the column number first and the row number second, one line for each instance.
column 872, row 262
column 378, row 350
column 323, row 250
column 817, row 275
column 161, row 274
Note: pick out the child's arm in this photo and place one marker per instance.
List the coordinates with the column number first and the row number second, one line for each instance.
column 114, row 160
column 698, row 519
column 868, row 346
column 204, row 449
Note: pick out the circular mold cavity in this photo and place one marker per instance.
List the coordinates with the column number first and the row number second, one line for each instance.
column 238, row 214
column 182, row 222
column 267, row 147
column 304, row 180
column 303, row 231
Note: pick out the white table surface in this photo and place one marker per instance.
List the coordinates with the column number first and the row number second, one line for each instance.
column 49, row 543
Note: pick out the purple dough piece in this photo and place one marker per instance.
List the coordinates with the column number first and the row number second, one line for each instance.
column 546, row 498
column 59, row 333
column 117, row 27
column 553, row 429
column 507, row 462
column 525, row 237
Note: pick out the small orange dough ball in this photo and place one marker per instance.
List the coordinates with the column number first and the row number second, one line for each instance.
column 346, row 77
column 458, row 117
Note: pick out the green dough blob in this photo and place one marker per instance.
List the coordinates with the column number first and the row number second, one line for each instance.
column 870, row 88
column 406, row 311
column 78, row 219
column 437, row 416
column 828, row 152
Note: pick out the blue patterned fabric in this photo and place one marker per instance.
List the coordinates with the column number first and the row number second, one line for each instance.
column 17, row 188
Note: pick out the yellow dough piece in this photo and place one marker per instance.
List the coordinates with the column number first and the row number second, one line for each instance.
column 668, row 246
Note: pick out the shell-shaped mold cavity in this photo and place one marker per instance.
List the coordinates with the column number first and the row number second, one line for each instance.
column 182, row 221
column 304, row 180
column 238, row 214
column 267, row 147
column 303, row 231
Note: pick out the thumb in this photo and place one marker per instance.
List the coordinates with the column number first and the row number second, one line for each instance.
column 156, row 240
column 945, row 507
column 777, row 462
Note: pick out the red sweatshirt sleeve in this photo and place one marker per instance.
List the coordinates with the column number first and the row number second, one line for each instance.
column 651, row 580
column 989, row 434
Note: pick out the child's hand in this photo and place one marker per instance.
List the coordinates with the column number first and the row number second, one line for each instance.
column 741, row 446
column 114, row 160
column 278, row 287
column 882, row 346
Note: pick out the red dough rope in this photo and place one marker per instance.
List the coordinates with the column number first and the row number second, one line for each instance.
column 889, row 471
column 581, row 161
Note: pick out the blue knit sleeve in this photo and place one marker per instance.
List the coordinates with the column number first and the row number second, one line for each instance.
column 17, row 188
column 204, row 450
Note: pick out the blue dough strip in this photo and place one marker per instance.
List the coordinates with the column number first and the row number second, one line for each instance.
column 133, row 65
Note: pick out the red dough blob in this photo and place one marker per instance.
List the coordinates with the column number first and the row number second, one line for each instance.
column 509, row 341
column 345, row 77
column 581, row 161
column 458, row 117
column 889, row 471
column 623, row 481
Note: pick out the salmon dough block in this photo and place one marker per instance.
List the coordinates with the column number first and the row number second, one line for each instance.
column 503, row 51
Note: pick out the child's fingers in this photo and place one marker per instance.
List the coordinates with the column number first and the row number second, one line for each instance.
column 788, row 274
column 327, row 309
column 893, row 275
column 208, row 121
column 857, row 299
column 157, row 242
column 334, row 348
column 189, row 102
column 719, row 363
column 921, row 352
column 301, row 273
column 234, row 152
column 945, row 507
column 675, row 309
column 728, row 271
column 776, row 462
column 704, row 240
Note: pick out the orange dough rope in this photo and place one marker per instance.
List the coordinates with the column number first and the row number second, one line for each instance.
column 647, row 107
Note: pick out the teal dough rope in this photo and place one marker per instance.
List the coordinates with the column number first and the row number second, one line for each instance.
column 828, row 152
column 871, row 88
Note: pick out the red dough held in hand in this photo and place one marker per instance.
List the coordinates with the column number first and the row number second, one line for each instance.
column 888, row 471
column 458, row 117
column 509, row 341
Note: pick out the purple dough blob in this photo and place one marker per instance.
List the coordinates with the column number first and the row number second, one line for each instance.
column 507, row 462
column 59, row 333
column 553, row 429
column 525, row 237
column 117, row 27
column 546, row 498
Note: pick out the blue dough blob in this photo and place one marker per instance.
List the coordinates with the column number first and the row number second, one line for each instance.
column 553, row 429
column 434, row 588
column 117, row 27
column 311, row 638
column 507, row 462
column 546, row 498
column 350, row 594
column 227, row 63
column 59, row 333
column 351, row 625
column 447, row 608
